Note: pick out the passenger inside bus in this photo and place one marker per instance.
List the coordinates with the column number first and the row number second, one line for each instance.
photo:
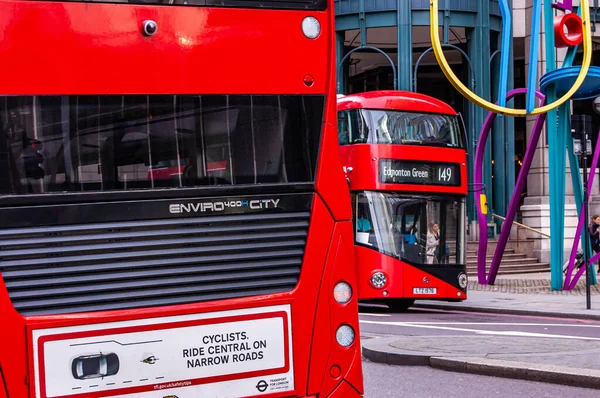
column 363, row 224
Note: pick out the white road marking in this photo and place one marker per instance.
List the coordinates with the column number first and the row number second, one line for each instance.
column 485, row 332
column 382, row 315
column 501, row 324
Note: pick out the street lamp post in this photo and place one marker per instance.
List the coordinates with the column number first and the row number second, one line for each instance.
column 582, row 145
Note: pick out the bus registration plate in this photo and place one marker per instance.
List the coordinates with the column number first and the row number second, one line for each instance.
column 424, row 290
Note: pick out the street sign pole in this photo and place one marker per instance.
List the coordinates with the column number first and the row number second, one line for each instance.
column 582, row 147
column 586, row 249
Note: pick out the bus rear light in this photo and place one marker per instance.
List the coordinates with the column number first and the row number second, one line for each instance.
column 342, row 292
column 462, row 280
column 378, row 280
column 311, row 27
column 345, row 335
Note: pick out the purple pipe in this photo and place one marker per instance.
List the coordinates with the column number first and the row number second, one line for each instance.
column 579, row 272
column 483, row 278
column 513, row 206
column 571, row 283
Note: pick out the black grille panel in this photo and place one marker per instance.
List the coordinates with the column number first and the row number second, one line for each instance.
column 119, row 265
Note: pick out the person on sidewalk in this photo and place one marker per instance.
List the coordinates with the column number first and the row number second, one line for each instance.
column 594, row 230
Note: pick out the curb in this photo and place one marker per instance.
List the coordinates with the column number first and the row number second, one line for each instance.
column 585, row 378
column 507, row 311
column 379, row 350
column 380, row 355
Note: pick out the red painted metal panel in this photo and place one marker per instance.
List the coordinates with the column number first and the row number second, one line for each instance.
column 418, row 278
column 394, row 100
column 330, row 316
column 401, row 278
column 369, row 261
column 364, row 160
column 97, row 48
column 13, row 343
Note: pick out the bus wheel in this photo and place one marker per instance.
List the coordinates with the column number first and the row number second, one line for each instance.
column 400, row 305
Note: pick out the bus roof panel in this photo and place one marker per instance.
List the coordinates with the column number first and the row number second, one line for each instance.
column 394, row 100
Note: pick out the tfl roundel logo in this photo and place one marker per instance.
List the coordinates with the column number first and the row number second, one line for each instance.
column 261, row 386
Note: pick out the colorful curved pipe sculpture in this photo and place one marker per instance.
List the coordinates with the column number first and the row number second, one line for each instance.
column 471, row 96
column 506, row 13
column 571, row 27
column 571, row 282
column 483, row 277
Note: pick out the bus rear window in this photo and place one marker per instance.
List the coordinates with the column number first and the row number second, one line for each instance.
column 53, row 144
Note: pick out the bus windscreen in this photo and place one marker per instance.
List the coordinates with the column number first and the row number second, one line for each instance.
column 369, row 126
column 424, row 231
column 61, row 144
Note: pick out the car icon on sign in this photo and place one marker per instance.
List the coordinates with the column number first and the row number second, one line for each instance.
column 95, row 366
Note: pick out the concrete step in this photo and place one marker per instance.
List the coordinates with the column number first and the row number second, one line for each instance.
column 507, row 256
column 517, row 258
column 515, row 269
column 522, row 246
column 489, row 252
column 514, row 266
column 473, row 273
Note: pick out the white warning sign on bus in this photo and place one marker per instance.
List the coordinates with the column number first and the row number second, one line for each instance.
column 232, row 353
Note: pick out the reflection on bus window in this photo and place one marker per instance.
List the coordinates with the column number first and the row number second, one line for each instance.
column 352, row 127
column 401, row 225
column 114, row 142
column 398, row 127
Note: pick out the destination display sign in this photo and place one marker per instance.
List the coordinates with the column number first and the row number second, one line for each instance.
column 393, row 171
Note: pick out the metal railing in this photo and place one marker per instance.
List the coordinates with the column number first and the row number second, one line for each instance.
column 519, row 225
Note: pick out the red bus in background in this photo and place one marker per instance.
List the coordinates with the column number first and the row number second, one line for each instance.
column 174, row 219
column 405, row 161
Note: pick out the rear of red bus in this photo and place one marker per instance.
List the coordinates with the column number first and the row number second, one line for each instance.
column 404, row 158
column 174, row 215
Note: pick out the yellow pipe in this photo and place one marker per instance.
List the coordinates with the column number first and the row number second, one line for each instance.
column 471, row 96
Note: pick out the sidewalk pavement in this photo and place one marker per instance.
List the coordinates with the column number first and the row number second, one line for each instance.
column 562, row 360
column 526, row 294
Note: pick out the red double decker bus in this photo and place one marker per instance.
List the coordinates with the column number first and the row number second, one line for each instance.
column 173, row 212
column 405, row 161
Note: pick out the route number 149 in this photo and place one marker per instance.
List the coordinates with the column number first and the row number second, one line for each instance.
column 445, row 174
